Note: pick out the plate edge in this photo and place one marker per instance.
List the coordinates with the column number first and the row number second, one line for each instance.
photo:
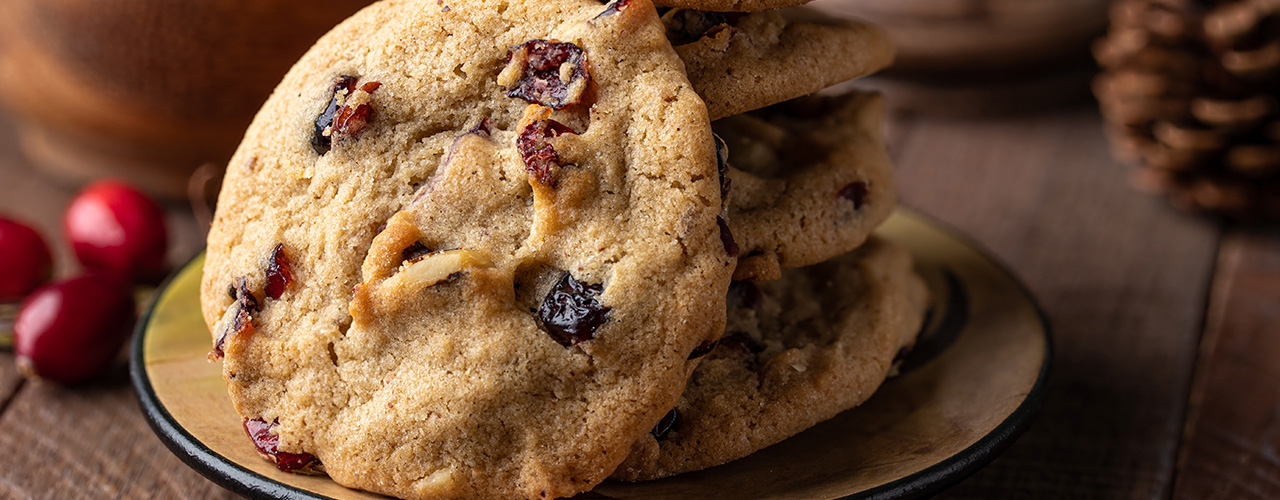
column 184, row 445
column 990, row 446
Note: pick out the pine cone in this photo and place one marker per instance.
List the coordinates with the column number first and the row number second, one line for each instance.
column 1189, row 91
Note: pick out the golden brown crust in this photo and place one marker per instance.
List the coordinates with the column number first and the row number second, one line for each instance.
column 809, row 346
column 768, row 57
column 433, row 379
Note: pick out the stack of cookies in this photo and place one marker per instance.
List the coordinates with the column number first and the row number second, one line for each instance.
column 499, row 248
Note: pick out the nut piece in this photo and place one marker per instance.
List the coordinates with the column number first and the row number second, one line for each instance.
column 437, row 267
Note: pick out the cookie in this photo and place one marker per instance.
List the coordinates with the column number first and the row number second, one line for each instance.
column 810, row 179
column 733, row 5
column 741, row 62
column 796, row 351
column 437, row 268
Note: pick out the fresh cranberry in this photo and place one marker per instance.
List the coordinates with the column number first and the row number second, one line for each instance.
column 24, row 260
column 71, row 331
column 267, row 444
column 117, row 230
column 572, row 312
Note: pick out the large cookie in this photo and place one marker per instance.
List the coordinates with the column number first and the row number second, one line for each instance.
column 439, row 267
column 810, row 180
column 741, row 62
column 797, row 351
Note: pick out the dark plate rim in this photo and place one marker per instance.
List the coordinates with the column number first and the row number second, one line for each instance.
column 933, row 479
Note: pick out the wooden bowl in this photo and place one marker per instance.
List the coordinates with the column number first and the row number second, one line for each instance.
column 965, row 58
column 973, row 35
column 145, row 90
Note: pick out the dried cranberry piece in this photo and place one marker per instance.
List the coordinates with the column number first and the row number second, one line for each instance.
column 267, row 444
column 70, row 331
column 726, row 237
column 415, row 252
column 617, row 6
column 279, row 273
column 722, row 166
column 352, row 120
column 572, row 312
column 666, row 425
column 482, row 129
column 242, row 321
column 540, row 158
column 321, row 141
column 703, row 349
column 543, row 79
column 856, row 192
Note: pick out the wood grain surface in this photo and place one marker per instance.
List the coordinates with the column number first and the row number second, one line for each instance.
column 1124, row 279
column 1232, row 434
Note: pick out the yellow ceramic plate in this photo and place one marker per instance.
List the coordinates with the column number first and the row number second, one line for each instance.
column 967, row 392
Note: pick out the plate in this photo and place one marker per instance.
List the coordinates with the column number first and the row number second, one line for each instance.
column 968, row 390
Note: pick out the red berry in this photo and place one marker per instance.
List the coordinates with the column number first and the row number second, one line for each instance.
column 24, row 260
column 117, row 230
column 71, row 331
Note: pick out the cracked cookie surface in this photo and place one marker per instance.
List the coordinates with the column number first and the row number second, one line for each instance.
column 796, row 351
column 482, row 298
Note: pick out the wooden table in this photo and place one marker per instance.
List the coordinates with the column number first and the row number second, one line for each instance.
column 1167, row 329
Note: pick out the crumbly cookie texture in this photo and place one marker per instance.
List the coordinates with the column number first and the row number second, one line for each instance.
column 439, row 267
column 741, row 62
column 733, row 5
column 810, row 179
column 796, row 351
